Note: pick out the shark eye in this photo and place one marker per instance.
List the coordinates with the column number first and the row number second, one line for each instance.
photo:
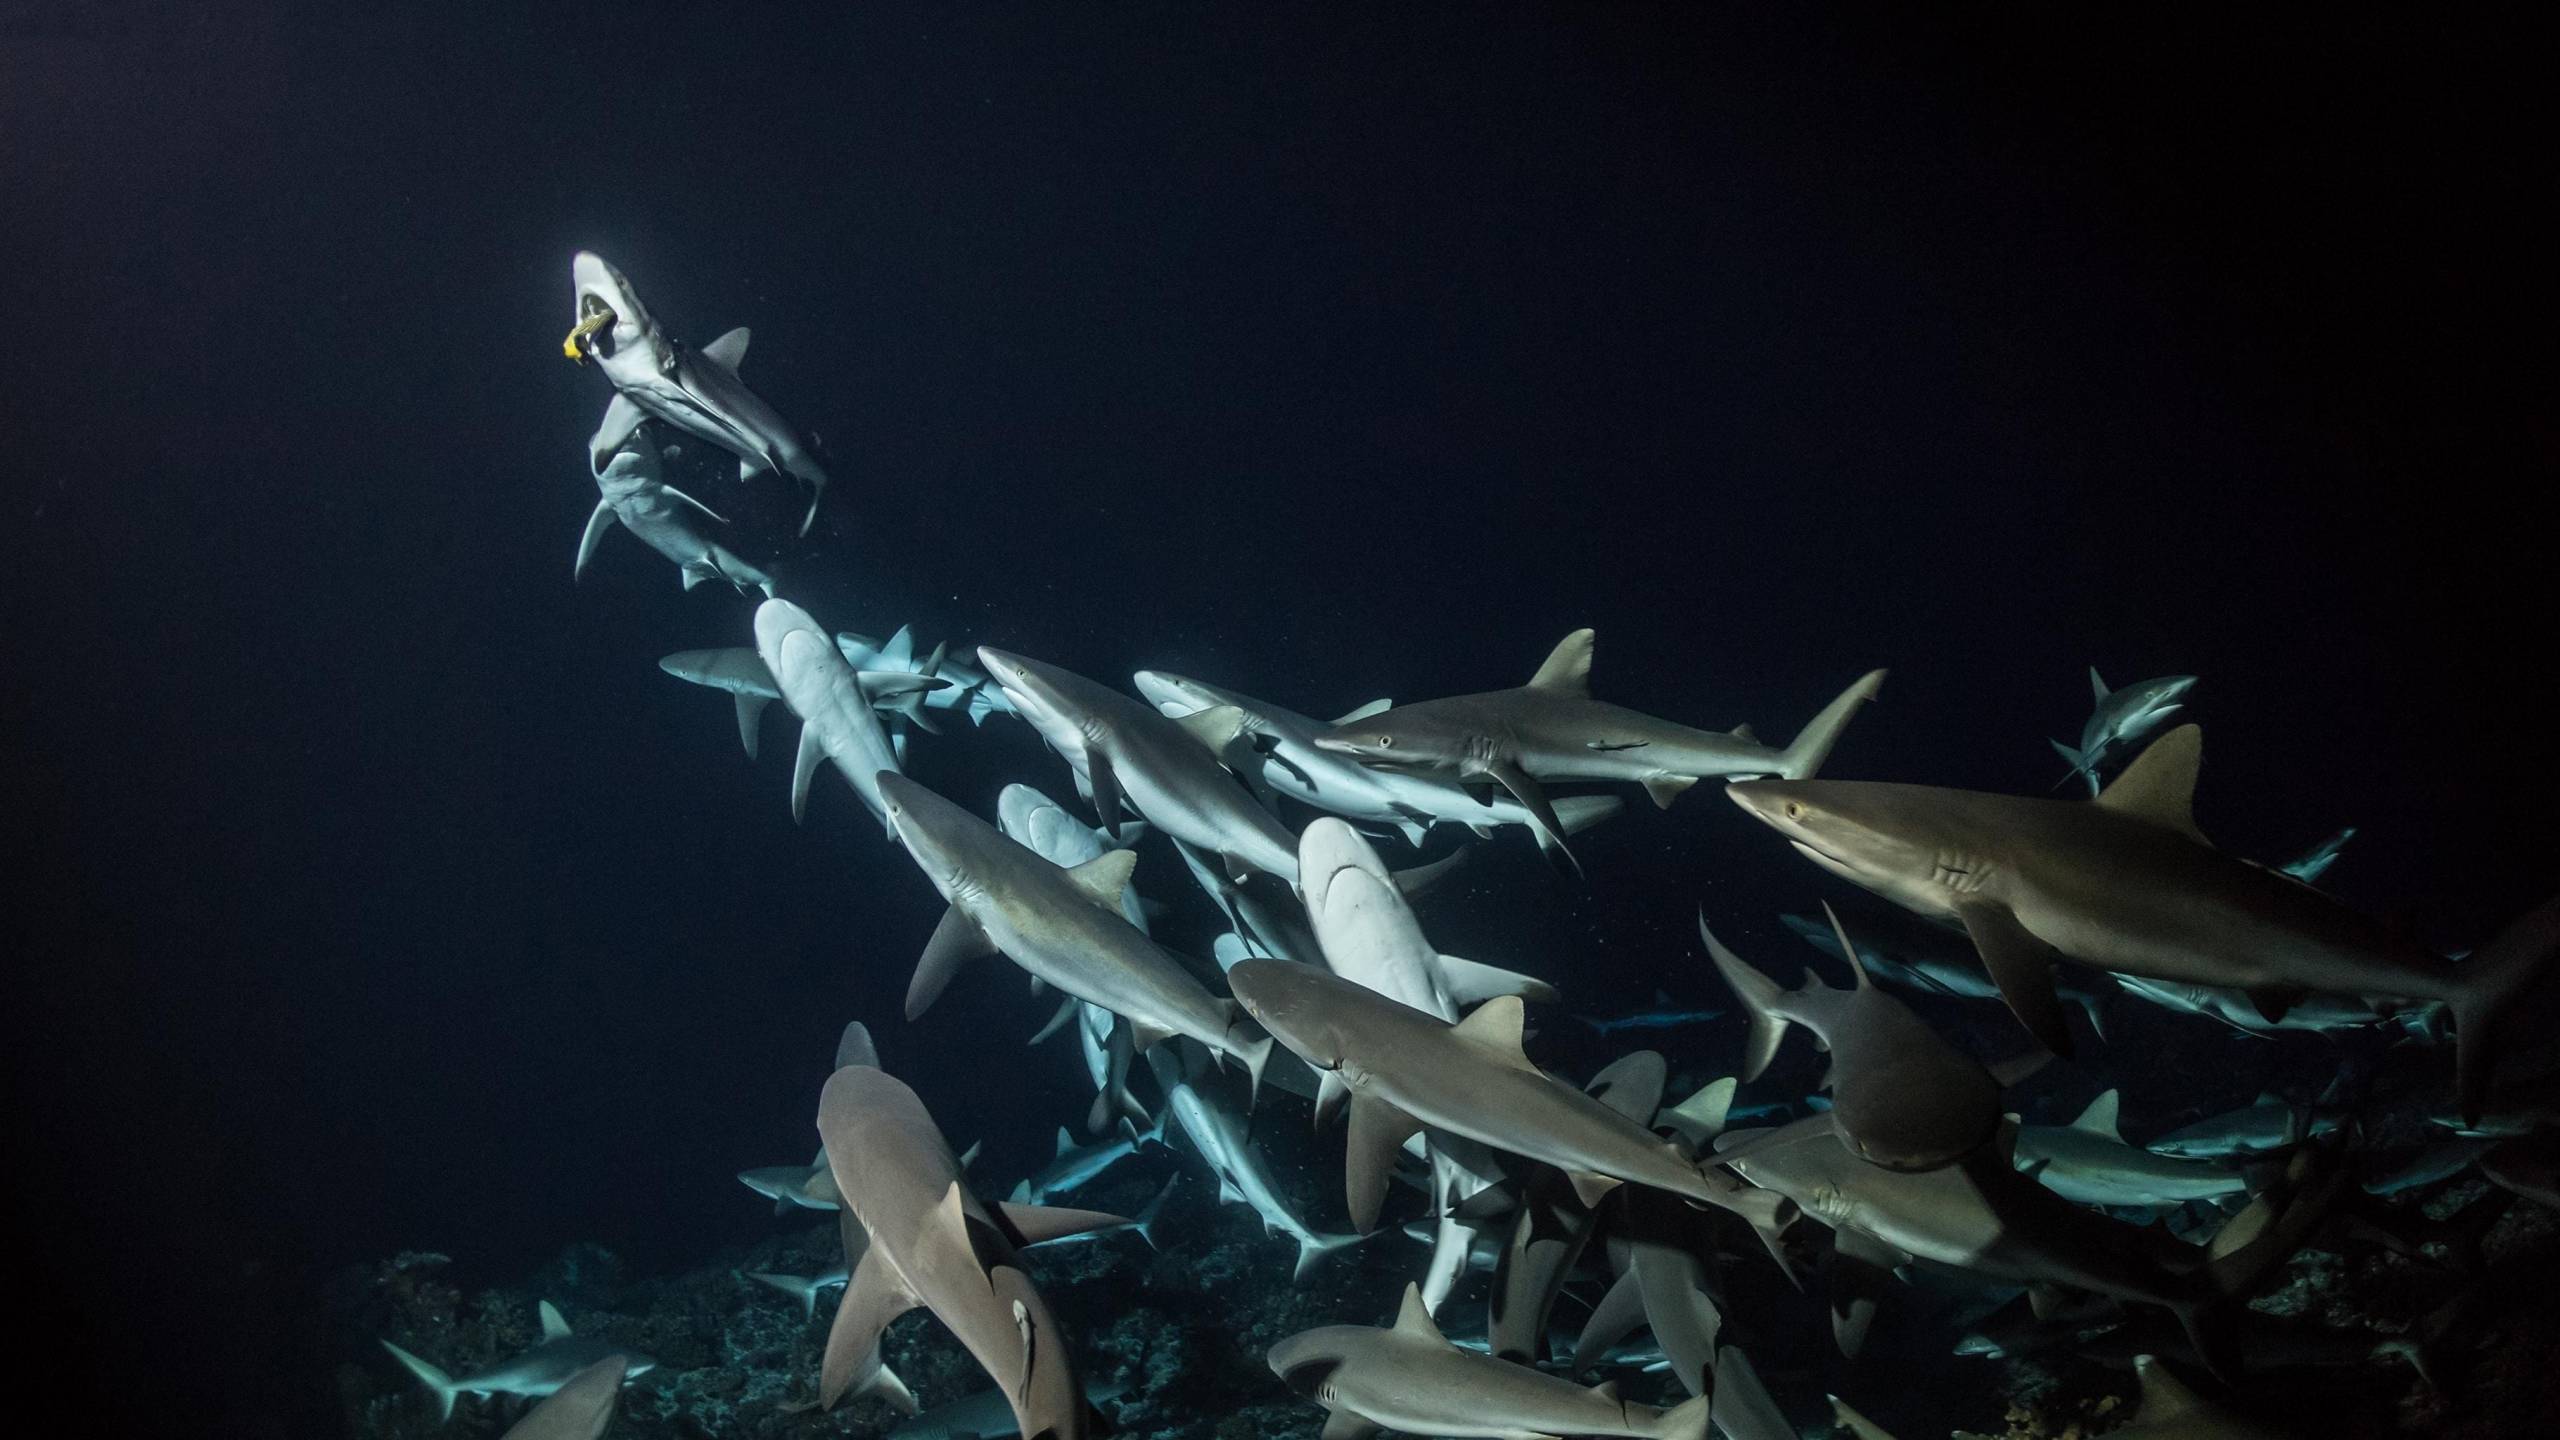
column 1795, row 809
column 1386, row 742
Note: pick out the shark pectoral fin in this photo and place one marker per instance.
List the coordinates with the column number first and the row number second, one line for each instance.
column 804, row 769
column 873, row 1297
column 750, row 712
column 1378, row 1132
column 1591, row 1187
column 715, row 515
column 621, row 421
column 1860, row 1271
column 956, row 941
column 730, row 349
column 2160, row 785
column 2022, row 966
column 1348, row 1425
column 598, row 521
column 1615, row 1318
column 1102, row 788
column 2097, row 687
column 1549, row 829
column 1663, row 789
column 1471, row 981
column 1040, row 1224
column 1494, row 1029
column 1066, row 1012
column 1104, row 879
column 1568, row 666
column 1331, row 1091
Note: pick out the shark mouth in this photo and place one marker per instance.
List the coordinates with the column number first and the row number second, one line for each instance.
column 1828, row 861
column 579, row 344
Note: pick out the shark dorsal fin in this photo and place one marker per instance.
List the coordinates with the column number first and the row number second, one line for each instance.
column 1066, row 1142
column 1362, row 712
column 1568, row 666
column 854, row 1047
column 554, row 1327
column 1217, row 728
column 1702, row 1116
column 1414, row 1318
column 1606, row 1389
column 2097, row 686
column 1495, row 1028
column 729, row 349
column 899, row 652
column 2164, row 1396
column 2100, row 1117
column 1744, row 731
column 2160, row 784
column 1105, row 877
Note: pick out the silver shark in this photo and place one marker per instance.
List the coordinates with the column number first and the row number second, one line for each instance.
column 1063, row 926
column 970, row 691
column 2127, row 883
column 549, row 1365
column 696, row 391
column 1551, row 729
column 2088, row 1162
column 931, row 1244
column 1901, row 948
column 636, row 495
column 742, row 672
column 1166, row 770
column 803, row 1288
column 836, row 719
column 1410, row 1378
column 1072, row 1167
column 1033, row 819
column 1901, row 1097
column 2269, row 1124
column 1402, row 1070
column 2122, row 720
column 1244, row 1177
column 1288, row 761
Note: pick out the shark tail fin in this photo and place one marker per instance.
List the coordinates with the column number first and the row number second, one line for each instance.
column 1144, row 1222
column 2078, row 762
column 1313, row 1248
column 2485, row 985
column 1686, row 1420
column 1760, row 998
column 1803, row 757
column 437, row 1382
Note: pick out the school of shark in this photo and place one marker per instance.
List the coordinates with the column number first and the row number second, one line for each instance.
column 1583, row 1254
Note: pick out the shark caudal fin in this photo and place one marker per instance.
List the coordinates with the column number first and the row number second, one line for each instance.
column 438, row 1383
column 1802, row 759
column 2485, row 985
column 1685, row 1421
column 1313, row 1248
column 1760, row 998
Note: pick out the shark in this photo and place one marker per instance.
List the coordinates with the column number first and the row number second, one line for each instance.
column 2088, row 1162
column 2127, row 883
column 1286, row 760
column 970, row 692
column 1031, row 818
column 2122, row 720
column 794, row 1187
column 1075, row 1166
column 695, row 391
column 2313, row 863
column 803, row 1288
column 2310, row 1015
column 1166, row 770
column 559, row 1356
column 1664, row 1014
column 836, row 719
column 1402, row 1070
column 1220, row 1134
column 1990, row 1220
column 1367, row 933
column 1901, row 1097
column 742, row 672
column 1408, row 1377
column 1551, row 729
column 1064, row 926
column 2264, row 1126
column 636, row 496
column 931, row 1244
column 580, row 1409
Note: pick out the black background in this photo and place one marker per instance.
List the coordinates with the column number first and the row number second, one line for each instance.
column 373, row 890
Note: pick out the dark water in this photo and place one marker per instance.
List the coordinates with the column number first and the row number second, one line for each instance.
column 375, row 892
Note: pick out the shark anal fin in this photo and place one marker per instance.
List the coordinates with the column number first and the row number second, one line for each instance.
column 1378, row 1132
column 956, row 941
column 2022, row 966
